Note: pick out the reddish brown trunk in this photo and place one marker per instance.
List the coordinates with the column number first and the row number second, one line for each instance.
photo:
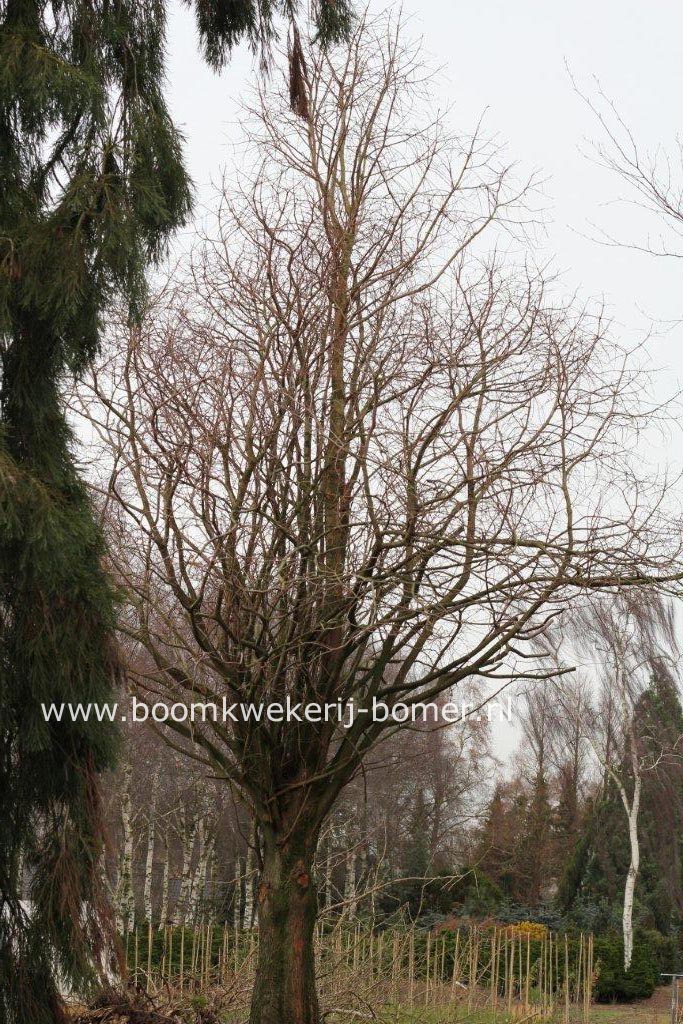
column 284, row 989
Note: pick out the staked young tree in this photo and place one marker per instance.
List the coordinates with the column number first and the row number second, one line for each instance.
column 354, row 458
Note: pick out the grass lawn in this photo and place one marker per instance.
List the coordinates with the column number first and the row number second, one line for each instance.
column 651, row 1011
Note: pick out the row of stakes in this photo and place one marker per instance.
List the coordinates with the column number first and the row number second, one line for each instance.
column 500, row 967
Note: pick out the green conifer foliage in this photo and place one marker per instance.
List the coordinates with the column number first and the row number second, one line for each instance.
column 594, row 875
column 91, row 186
column 224, row 23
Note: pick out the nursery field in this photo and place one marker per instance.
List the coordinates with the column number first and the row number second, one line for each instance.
column 477, row 974
column 400, row 975
column 655, row 1010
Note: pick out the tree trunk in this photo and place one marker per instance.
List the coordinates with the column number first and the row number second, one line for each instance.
column 350, row 901
column 149, row 869
column 163, row 909
column 125, row 897
column 632, row 875
column 195, row 895
column 180, row 912
column 328, row 876
column 248, row 905
column 149, row 857
column 237, row 902
column 284, row 988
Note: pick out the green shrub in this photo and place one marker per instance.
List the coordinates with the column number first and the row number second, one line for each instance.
column 613, row 983
column 664, row 949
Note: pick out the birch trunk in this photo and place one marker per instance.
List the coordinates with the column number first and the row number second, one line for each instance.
column 237, row 902
column 211, row 879
column 634, row 867
column 182, row 904
column 196, row 893
column 249, row 890
column 350, row 894
column 149, row 857
column 632, row 808
column 163, row 908
column 328, row 877
column 125, row 898
column 631, row 804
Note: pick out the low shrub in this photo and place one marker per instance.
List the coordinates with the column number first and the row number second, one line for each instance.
column 616, row 985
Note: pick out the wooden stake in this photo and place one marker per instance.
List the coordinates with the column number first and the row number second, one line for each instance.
column 456, row 965
column 494, row 972
column 566, row 979
column 149, row 955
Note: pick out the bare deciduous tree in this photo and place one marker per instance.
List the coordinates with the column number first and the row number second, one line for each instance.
column 654, row 179
column 355, row 458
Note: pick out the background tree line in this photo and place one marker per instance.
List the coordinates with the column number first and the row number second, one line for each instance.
column 437, row 831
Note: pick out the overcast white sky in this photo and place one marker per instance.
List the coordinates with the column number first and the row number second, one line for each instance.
column 508, row 59
column 511, row 60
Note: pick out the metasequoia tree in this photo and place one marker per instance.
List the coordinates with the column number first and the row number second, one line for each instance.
column 629, row 641
column 353, row 458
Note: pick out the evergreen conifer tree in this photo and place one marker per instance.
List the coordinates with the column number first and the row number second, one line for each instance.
column 92, row 184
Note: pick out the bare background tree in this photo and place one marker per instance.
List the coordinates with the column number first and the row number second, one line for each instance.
column 653, row 178
column 182, row 850
column 356, row 457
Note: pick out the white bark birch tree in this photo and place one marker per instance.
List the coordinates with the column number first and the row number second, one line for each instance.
column 188, row 835
column 350, row 885
column 237, row 908
column 623, row 640
column 327, row 889
column 249, row 881
column 164, row 916
column 149, row 853
column 125, row 896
